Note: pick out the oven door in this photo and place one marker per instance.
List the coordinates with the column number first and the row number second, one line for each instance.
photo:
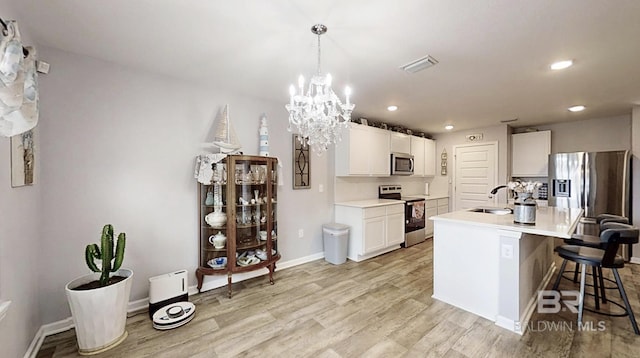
column 414, row 215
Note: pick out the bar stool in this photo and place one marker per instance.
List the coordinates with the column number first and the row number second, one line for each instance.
column 595, row 242
column 613, row 235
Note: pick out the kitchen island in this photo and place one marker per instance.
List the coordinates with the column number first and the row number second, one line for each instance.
column 488, row 265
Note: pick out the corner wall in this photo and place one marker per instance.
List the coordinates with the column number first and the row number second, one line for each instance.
column 635, row 175
column 20, row 251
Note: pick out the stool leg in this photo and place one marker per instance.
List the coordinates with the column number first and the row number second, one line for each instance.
column 575, row 274
column 557, row 283
column 602, row 289
column 581, row 298
column 595, row 286
column 623, row 294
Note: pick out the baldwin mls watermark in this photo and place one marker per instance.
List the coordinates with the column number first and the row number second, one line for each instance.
column 551, row 302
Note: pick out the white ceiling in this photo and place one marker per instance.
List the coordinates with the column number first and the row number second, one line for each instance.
column 494, row 54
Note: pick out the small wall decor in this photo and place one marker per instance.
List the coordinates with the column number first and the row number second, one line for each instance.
column 443, row 162
column 22, row 159
column 301, row 164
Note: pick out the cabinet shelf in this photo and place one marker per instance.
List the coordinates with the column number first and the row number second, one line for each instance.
column 231, row 193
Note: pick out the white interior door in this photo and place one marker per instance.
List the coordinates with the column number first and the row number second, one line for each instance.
column 475, row 174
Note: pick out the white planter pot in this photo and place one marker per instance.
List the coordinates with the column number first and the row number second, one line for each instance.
column 99, row 315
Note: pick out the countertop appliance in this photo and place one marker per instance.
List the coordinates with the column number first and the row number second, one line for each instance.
column 414, row 213
column 597, row 182
column 401, row 164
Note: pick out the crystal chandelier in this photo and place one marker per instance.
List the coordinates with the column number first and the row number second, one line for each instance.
column 318, row 115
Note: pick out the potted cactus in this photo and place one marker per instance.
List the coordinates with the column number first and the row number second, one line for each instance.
column 99, row 301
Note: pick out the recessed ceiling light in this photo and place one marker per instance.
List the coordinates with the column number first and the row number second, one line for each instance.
column 392, row 108
column 577, row 108
column 561, row 65
column 448, row 127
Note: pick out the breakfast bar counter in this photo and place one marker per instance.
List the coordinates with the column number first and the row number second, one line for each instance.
column 490, row 266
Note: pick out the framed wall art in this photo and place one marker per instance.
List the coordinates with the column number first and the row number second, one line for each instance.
column 301, row 164
column 22, row 159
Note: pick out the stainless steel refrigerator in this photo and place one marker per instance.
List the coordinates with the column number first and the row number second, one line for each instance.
column 598, row 182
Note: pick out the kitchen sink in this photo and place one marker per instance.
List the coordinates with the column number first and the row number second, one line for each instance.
column 492, row 210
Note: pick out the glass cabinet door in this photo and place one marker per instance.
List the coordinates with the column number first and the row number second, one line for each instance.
column 254, row 214
column 213, row 201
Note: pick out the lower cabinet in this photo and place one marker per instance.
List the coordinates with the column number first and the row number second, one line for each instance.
column 435, row 207
column 373, row 230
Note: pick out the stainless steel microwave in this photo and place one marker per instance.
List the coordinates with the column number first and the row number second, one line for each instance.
column 401, row 164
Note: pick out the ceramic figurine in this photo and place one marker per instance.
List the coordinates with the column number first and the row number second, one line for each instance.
column 264, row 136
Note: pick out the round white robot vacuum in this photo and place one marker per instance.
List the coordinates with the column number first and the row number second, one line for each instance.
column 174, row 315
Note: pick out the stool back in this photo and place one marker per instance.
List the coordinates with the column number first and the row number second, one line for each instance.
column 615, row 234
column 604, row 218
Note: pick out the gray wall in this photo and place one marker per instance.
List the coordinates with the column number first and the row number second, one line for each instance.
column 118, row 146
column 635, row 174
column 591, row 135
column 500, row 133
column 20, row 250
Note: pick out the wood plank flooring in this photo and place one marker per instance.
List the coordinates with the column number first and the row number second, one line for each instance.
column 381, row 307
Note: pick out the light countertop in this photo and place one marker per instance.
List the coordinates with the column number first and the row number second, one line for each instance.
column 430, row 197
column 550, row 221
column 369, row 203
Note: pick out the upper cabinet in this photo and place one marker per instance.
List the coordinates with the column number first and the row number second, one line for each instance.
column 530, row 154
column 424, row 156
column 363, row 151
column 417, row 150
column 429, row 157
column 400, row 142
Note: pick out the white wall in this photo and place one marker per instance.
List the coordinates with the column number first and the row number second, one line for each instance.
column 20, row 250
column 501, row 134
column 118, row 146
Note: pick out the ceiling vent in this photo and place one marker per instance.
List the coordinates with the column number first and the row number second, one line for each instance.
column 419, row 64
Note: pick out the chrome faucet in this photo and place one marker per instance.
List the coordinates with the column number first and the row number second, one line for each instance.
column 495, row 190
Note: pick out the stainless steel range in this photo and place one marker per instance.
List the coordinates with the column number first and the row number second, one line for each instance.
column 414, row 213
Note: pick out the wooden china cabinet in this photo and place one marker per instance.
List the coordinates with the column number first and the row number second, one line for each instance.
column 241, row 205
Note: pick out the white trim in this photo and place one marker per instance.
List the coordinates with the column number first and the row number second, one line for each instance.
column 635, row 260
column 143, row 304
column 453, row 169
column 4, row 308
column 221, row 281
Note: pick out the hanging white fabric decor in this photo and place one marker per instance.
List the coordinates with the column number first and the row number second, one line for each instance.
column 11, row 73
column 25, row 117
column 18, row 84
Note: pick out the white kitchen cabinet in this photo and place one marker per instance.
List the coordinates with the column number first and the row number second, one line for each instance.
column 530, row 154
column 373, row 230
column 429, row 157
column 363, row 151
column 400, row 142
column 374, row 234
column 417, row 150
column 434, row 207
column 395, row 227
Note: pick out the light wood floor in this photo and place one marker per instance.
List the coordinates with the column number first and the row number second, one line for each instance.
column 377, row 308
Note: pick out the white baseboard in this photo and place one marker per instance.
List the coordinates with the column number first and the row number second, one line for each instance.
column 143, row 304
column 4, row 308
column 213, row 282
column 635, row 260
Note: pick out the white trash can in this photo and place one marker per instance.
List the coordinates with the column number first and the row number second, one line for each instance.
column 335, row 238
